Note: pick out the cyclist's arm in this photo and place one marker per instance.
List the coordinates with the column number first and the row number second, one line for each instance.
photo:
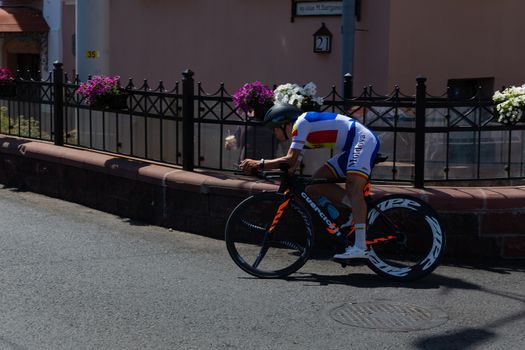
column 292, row 158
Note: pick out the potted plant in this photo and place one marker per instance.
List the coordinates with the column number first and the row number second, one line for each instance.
column 510, row 104
column 7, row 84
column 254, row 99
column 103, row 92
column 303, row 97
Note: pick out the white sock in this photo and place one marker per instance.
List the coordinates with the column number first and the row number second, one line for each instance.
column 360, row 236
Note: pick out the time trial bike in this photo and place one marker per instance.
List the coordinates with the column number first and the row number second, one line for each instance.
column 271, row 234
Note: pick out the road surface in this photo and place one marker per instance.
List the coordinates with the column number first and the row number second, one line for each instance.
column 72, row 277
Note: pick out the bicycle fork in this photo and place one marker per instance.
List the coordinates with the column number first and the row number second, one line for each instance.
column 266, row 239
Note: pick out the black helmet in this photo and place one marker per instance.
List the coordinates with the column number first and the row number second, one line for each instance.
column 281, row 114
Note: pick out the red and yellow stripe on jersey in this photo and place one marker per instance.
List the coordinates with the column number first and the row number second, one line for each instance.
column 321, row 139
column 320, row 130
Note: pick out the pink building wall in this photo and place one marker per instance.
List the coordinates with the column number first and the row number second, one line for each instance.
column 231, row 41
column 238, row 41
column 449, row 39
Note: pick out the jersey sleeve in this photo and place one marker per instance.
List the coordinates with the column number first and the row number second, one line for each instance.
column 300, row 131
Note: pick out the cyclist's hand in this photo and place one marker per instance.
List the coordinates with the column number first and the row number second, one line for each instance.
column 249, row 166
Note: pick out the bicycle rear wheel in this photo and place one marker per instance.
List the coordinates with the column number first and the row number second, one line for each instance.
column 263, row 249
column 418, row 243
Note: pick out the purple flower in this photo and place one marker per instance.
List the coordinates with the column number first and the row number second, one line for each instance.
column 99, row 86
column 5, row 74
column 252, row 94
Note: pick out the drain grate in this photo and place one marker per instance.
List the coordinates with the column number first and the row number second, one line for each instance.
column 388, row 316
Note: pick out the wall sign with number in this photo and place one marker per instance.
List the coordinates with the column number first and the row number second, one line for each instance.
column 92, row 54
column 323, row 40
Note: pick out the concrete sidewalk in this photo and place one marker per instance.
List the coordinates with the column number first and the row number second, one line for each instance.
column 481, row 222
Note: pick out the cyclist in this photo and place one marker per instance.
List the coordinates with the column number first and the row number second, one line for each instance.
column 355, row 147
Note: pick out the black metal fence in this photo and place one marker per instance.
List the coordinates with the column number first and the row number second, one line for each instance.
column 427, row 138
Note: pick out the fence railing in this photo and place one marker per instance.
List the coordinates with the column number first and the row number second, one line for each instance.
column 426, row 138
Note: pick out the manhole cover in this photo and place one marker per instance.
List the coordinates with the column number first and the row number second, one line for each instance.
column 388, row 316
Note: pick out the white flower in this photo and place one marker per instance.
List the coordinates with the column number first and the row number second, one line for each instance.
column 297, row 95
column 510, row 103
column 310, row 89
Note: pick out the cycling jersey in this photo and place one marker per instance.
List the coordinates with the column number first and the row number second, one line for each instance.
column 356, row 146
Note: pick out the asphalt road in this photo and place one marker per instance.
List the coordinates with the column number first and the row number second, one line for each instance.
column 76, row 278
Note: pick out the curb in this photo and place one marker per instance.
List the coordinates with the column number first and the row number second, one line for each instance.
column 481, row 222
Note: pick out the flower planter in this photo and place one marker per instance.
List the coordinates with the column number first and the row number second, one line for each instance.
column 302, row 97
column 510, row 105
column 111, row 102
column 104, row 92
column 502, row 119
column 254, row 99
column 7, row 89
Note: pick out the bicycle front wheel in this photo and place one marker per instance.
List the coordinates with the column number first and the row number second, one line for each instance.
column 406, row 238
column 269, row 235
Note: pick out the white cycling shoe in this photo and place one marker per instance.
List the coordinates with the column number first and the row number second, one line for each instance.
column 353, row 253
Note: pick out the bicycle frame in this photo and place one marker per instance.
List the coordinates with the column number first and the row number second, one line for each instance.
column 295, row 186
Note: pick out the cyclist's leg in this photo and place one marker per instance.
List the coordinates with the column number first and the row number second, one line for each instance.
column 354, row 190
column 358, row 168
column 360, row 161
column 333, row 192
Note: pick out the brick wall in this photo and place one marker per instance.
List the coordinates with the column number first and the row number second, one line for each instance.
column 479, row 222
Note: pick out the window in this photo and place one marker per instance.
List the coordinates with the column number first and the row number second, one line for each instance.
column 463, row 89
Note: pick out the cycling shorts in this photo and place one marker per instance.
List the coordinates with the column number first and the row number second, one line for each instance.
column 358, row 157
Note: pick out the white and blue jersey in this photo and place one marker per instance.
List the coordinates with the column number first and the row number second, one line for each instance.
column 355, row 145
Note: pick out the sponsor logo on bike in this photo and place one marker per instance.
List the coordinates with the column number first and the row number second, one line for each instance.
column 396, row 202
column 331, row 226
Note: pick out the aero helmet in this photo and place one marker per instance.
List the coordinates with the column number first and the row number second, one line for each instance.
column 281, row 114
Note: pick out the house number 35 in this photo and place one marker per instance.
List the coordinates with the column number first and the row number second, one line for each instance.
column 92, row 54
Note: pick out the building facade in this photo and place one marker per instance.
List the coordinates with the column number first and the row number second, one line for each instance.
column 23, row 36
column 459, row 43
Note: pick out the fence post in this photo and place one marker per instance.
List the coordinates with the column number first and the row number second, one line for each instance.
column 419, row 166
column 347, row 85
column 347, row 90
column 188, row 98
column 58, row 103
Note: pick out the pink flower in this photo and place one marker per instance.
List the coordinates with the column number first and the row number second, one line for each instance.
column 99, row 86
column 252, row 94
column 5, row 74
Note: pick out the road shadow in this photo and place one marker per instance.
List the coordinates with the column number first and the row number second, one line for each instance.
column 499, row 266
column 134, row 222
column 371, row 280
column 469, row 338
